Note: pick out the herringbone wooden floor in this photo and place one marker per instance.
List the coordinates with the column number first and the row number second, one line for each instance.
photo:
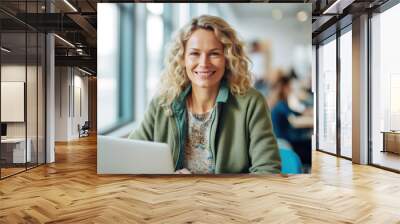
column 70, row 191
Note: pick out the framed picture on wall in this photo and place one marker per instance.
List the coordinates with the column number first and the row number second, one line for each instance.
column 12, row 101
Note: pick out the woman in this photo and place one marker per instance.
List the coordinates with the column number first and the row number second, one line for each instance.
column 205, row 109
column 299, row 138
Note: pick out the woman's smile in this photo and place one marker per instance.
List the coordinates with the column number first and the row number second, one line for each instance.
column 204, row 74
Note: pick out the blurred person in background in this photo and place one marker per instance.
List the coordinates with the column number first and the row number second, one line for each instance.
column 300, row 98
column 289, row 124
column 206, row 110
column 274, row 94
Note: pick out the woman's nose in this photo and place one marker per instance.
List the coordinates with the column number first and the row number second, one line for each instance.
column 204, row 60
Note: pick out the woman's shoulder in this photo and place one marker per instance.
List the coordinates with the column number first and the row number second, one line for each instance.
column 248, row 101
column 250, row 95
column 156, row 100
column 156, row 105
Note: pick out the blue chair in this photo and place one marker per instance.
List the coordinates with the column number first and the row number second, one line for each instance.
column 290, row 161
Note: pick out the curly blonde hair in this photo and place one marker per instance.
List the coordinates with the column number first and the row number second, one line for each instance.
column 174, row 78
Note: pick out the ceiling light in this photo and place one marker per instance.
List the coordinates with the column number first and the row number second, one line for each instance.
column 338, row 6
column 5, row 50
column 64, row 40
column 84, row 71
column 277, row 14
column 80, row 51
column 302, row 16
column 70, row 5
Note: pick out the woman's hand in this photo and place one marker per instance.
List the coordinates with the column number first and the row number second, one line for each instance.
column 183, row 171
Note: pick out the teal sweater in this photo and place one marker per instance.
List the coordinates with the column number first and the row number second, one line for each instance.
column 241, row 137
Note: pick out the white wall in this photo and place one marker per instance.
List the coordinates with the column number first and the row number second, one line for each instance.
column 81, row 103
column 285, row 39
column 70, row 84
column 17, row 73
column 61, row 103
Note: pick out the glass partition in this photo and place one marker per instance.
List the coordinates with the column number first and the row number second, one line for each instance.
column 22, row 77
column 13, row 106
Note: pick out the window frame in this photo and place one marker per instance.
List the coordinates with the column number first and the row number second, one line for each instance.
column 127, row 69
column 333, row 37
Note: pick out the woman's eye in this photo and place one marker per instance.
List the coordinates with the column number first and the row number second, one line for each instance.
column 194, row 53
column 215, row 54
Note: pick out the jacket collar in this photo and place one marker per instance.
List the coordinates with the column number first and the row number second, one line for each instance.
column 179, row 103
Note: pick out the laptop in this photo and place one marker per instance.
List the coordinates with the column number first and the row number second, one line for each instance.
column 127, row 156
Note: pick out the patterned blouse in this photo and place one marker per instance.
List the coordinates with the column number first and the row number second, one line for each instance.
column 198, row 155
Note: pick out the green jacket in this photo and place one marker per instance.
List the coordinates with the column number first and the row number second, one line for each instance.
column 241, row 137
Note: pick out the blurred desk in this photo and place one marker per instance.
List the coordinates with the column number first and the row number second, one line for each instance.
column 13, row 150
column 391, row 141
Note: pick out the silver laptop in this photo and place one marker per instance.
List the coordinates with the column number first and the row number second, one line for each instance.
column 126, row 156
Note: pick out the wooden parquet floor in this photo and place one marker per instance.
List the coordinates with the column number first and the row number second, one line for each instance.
column 70, row 191
column 10, row 171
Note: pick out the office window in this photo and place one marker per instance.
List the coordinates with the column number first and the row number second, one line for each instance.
column 116, row 63
column 126, row 64
column 168, row 20
column 327, row 96
column 108, row 67
column 198, row 9
column 183, row 14
column 154, row 43
column 346, row 94
column 385, row 89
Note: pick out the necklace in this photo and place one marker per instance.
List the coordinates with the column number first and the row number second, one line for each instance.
column 189, row 105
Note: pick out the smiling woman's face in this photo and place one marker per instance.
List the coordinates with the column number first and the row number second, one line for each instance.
column 204, row 59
